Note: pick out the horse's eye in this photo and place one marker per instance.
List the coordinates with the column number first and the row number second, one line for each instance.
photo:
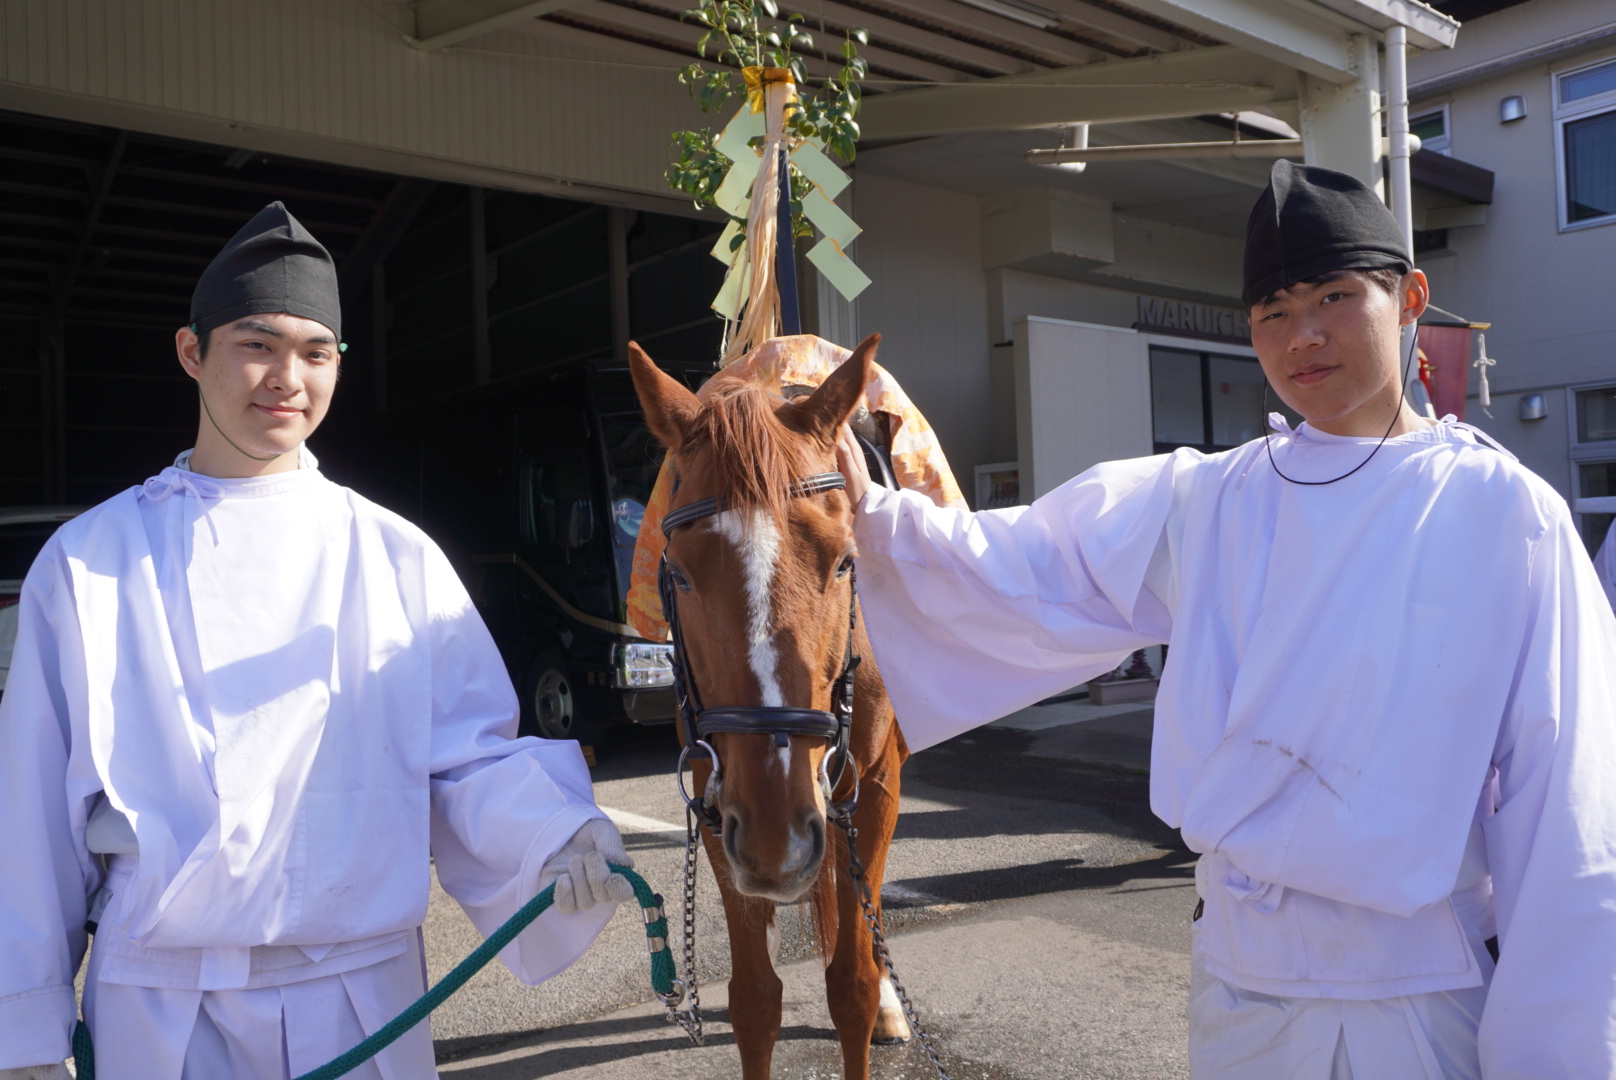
column 680, row 582
column 846, row 566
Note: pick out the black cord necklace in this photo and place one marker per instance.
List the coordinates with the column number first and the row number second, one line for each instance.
column 209, row 413
column 1413, row 346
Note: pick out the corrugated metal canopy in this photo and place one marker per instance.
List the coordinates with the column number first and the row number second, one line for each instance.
column 939, row 66
column 913, row 41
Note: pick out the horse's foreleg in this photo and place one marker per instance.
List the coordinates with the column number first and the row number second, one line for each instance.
column 891, row 1025
column 754, row 988
column 852, row 983
column 854, row 980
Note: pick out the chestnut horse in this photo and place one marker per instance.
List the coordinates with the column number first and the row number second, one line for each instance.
column 763, row 583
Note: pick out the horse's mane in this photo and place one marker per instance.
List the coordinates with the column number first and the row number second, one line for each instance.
column 754, row 458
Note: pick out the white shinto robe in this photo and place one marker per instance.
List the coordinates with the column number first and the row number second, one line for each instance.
column 287, row 692
column 1388, row 721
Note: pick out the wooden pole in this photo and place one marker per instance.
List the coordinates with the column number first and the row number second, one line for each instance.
column 785, row 255
column 482, row 354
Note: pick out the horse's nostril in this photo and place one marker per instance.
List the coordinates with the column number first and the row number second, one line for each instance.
column 807, row 845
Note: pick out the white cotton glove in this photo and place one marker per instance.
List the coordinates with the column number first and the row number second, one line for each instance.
column 579, row 870
column 37, row 1072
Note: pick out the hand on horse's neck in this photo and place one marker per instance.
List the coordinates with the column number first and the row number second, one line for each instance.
column 850, row 460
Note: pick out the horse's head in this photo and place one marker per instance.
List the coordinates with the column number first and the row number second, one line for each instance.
column 763, row 590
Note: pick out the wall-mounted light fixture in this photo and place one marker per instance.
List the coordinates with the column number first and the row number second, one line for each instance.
column 1534, row 407
column 1511, row 108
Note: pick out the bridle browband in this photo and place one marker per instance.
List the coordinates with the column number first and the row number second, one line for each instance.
column 703, row 508
column 780, row 721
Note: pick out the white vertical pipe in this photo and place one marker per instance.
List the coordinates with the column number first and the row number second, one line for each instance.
column 1397, row 128
column 1401, row 186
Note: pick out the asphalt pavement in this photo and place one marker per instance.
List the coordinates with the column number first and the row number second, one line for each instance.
column 1037, row 911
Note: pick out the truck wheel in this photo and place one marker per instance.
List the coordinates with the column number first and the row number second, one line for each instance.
column 550, row 703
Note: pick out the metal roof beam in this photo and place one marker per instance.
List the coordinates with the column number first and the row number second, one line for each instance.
column 627, row 31
column 1427, row 27
column 1187, row 83
column 1310, row 38
column 279, row 191
column 985, row 29
column 1095, row 17
column 409, row 197
column 890, row 31
column 668, row 25
column 441, row 23
column 75, row 262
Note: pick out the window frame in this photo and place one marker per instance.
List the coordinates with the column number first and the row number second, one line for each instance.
column 1206, row 348
column 1598, row 452
column 1446, row 138
column 1564, row 114
column 1595, row 450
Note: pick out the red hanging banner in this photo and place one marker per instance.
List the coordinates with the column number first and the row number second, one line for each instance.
column 1445, row 367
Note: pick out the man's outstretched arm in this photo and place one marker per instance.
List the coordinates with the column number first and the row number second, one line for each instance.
column 973, row 616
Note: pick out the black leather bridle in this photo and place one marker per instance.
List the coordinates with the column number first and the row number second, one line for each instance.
column 780, row 721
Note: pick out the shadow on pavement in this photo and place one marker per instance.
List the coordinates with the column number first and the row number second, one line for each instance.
column 641, row 1035
column 1038, row 879
column 1004, row 760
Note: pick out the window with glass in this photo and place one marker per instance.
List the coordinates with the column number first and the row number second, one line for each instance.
column 1596, row 415
column 1208, row 400
column 1595, row 438
column 557, row 519
column 1596, row 479
column 633, row 459
column 1585, row 120
column 1431, row 129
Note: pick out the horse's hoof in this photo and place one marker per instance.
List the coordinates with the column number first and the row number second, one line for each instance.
column 891, row 1027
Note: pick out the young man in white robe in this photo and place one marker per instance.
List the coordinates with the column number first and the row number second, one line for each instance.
column 1388, row 724
column 244, row 705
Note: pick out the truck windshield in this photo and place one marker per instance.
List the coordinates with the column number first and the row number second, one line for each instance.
column 633, row 457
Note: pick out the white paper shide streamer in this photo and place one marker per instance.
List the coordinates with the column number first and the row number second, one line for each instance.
column 749, row 300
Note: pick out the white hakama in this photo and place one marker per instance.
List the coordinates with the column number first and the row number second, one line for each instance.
column 1388, row 723
column 276, row 702
column 272, row 1031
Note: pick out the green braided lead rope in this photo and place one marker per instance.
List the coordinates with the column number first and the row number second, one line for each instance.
column 656, row 932
column 83, row 1052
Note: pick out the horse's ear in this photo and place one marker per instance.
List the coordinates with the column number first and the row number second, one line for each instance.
column 670, row 407
column 828, row 408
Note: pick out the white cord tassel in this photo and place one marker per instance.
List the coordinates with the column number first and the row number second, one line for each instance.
column 760, row 319
column 1483, row 362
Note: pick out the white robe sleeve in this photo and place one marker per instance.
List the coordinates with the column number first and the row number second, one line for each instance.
column 973, row 616
column 1605, row 565
column 501, row 806
column 47, row 873
column 1551, row 846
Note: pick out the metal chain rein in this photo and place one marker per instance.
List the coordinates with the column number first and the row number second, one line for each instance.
column 855, row 869
column 688, row 1018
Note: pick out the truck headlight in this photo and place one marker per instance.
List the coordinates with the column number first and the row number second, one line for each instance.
column 644, row 666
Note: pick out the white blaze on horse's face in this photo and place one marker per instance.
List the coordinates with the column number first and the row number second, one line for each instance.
column 756, row 539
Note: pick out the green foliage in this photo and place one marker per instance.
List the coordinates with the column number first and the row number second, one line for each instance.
column 752, row 34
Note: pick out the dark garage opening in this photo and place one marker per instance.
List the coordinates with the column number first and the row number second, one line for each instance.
column 447, row 289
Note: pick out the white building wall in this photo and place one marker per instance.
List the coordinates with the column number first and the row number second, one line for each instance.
column 928, row 300
column 1013, row 294
column 1082, row 397
column 1546, row 292
column 334, row 80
